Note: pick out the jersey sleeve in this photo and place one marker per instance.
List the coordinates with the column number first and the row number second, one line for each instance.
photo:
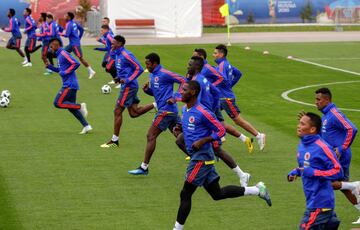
column 81, row 30
column 29, row 23
column 210, row 121
column 11, row 26
column 135, row 66
column 214, row 76
column 236, row 76
column 72, row 62
column 347, row 126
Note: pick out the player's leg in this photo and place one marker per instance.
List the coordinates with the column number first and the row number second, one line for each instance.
column 185, row 204
column 318, row 219
column 78, row 52
column 234, row 132
column 135, row 110
column 18, row 47
column 230, row 162
column 81, row 113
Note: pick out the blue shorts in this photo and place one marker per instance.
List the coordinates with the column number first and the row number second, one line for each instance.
column 30, row 43
column 15, row 42
column 127, row 97
column 230, row 107
column 165, row 119
column 345, row 160
column 318, row 219
column 76, row 49
column 199, row 173
column 66, row 99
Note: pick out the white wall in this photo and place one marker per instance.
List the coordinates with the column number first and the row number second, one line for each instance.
column 173, row 18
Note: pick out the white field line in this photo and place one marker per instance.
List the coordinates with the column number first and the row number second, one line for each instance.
column 337, row 58
column 326, row 66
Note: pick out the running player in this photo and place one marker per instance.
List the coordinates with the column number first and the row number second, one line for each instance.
column 66, row 98
column 14, row 28
column 200, row 128
column 227, row 99
column 317, row 165
column 74, row 32
column 44, row 38
column 128, row 70
column 218, row 81
column 339, row 132
column 30, row 44
column 161, row 86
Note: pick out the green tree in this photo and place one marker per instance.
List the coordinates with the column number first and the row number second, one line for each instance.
column 84, row 7
column 306, row 13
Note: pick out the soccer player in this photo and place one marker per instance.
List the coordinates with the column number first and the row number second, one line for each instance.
column 30, row 44
column 227, row 99
column 66, row 98
column 15, row 40
column 209, row 98
column 128, row 70
column 74, row 32
column 45, row 39
column 218, row 81
column 317, row 165
column 200, row 128
column 339, row 132
column 161, row 86
column 108, row 63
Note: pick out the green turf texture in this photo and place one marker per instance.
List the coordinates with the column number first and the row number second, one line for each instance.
column 53, row 178
column 242, row 29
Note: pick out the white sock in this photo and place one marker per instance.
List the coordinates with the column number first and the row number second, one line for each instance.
column 348, row 186
column 144, row 166
column 258, row 136
column 90, row 69
column 238, row 170
column 252, row 191
column 178, row 226
column 25, row 59
column 357, row 206
column 115, row 138
column 242, row 137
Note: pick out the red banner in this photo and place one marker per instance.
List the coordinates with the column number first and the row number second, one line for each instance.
column 210, row 12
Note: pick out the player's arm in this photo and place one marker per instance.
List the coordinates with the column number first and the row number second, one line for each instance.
column 215, row 76
column 236, row 76
column 215, row 94
column 66, row 32
column 72, row 63
column 136, row 67
column 10, row 28
column 211, row 122
column 81, row 30
column 52, row 68
column 101, row 49
column 331, row 164
column 347, row 126
column 174, row 78
column 30, row 24
column 293, row 174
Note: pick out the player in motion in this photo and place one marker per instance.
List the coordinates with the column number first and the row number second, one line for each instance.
column 200, row 128
column 128, row 70
column 66, row 98
column 317, row 166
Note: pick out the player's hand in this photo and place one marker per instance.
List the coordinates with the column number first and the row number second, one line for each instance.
column 145, row 87
column 301, row 114
column 177, row 130
column 291, row 178
column 122, row 81
column 197, row 144
column 116, row 80
column 171, row 101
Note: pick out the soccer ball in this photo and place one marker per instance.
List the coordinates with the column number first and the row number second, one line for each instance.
column 5, row 93
column 106, row 89
column 4, row 102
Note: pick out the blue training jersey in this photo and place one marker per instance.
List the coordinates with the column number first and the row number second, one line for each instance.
column 74, row 32
column 321, row 166
column 127, row 66
column 67, row 66
column 337, row 129
column 216, row 78
column 231, row 74
column 43, row 36
column 14, row 27
column 30, row 26
column 209, row 94
column 199, row 122
column 162, row 88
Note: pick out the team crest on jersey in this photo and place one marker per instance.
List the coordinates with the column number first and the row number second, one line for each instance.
column 191, row 119
column 156, row 79
column 307, row 156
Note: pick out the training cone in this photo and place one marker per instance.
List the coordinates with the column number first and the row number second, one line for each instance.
column 247, row 48
column 290, row 57
column 266, row 52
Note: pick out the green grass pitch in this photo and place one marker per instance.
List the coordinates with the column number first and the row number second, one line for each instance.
column 53, row 178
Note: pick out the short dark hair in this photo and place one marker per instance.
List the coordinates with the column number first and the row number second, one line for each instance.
column 194, row 85
column 198, row 60
column 105, row 27
column 201, row 51
column 325, row 91
column 315, row 121
column 71, row 15
column 12, row 11
column 223, row 49
column 55, row 39
column 120, row 38
column 153, row 58
column 50, row 16
column 43, row 15
column 28, row 10
column 106, row 18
